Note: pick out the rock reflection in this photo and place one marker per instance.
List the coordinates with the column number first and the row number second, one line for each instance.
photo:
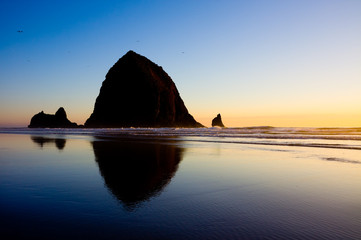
column 41, row 141
column 136, row 171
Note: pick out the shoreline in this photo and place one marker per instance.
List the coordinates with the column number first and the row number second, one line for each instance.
column 343, row 138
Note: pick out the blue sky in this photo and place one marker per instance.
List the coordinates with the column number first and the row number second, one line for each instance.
column 279, row 63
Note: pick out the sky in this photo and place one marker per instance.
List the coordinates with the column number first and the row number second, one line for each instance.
column 258, row 63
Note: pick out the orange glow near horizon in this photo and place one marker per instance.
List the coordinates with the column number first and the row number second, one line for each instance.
column 326, row 120
column 301, row 120
column 242, row 115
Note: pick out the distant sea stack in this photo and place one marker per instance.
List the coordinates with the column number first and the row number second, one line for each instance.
column 138, row 93
column 59, row 120
column 217, row 121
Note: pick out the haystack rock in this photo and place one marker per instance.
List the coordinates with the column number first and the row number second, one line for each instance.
column 138, row 93
column 217, row 121
column 59, row 120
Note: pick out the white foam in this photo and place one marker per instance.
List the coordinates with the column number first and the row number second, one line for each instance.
column 348, row 138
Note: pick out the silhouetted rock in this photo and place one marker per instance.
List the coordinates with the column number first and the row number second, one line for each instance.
column 138, row 93
column 135, row 171
column 217, row 121
column 59, row 120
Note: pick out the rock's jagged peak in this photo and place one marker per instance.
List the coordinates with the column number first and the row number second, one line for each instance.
column 61, row 113
column 134, row 57
column 132, row 53
column 134, row 60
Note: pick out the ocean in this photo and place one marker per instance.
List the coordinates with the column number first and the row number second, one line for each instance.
column 170, row 183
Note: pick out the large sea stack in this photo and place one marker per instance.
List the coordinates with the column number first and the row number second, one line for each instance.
column 59, row 120
column 138, row 93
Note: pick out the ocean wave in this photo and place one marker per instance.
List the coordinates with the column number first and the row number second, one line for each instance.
column 334, row 159
column 346, row 138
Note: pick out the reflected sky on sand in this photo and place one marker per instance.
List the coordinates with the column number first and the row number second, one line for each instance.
column 56, row 186
column 133, row 170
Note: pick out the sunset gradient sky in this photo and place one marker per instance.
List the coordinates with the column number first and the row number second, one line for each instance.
column 278, row 63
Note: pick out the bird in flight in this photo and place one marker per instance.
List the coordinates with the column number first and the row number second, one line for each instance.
column 20, row 31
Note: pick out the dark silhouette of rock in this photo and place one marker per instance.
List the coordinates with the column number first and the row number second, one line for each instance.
column 134, row 171
column 217, row 121
column 138, row 93
column 59, row 120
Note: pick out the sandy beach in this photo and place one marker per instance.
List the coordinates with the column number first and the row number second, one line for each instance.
column 57, row 185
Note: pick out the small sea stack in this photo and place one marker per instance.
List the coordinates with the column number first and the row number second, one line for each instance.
column 57, row 120
column 217, row 121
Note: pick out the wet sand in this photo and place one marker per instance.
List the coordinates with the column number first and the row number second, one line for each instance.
column 80, row 186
